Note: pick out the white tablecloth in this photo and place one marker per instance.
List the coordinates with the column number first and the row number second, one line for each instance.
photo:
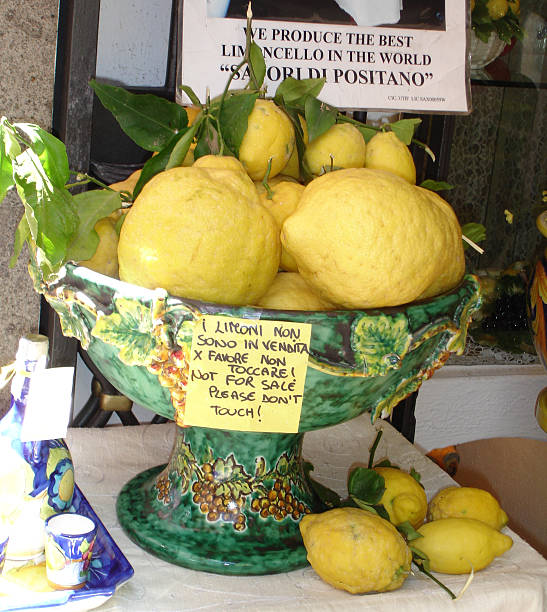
column 106, row 459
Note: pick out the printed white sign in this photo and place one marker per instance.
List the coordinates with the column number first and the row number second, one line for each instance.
column 375, row 55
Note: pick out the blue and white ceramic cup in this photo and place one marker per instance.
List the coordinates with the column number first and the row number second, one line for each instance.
column 4, row 539
column 70, row 538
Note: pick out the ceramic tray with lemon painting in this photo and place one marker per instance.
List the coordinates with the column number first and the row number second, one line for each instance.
column 24, row 586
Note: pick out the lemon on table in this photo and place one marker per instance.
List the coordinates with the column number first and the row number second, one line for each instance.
column 289, row 291
column 404, row 498
column 467, row 502
column 198, row 236
column 457, row 545
column 341, row 146
column 286, row 195
column 105, row 258
column 385, row 151
column 365, row 238
column 355, row 550
column 269, row 136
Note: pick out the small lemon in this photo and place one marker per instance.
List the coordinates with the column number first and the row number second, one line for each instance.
column 269, row 136
column 194, row 232
column 366, row 238
column 467, row 502
column 404, row 498
column 105, row 258
column 355, row 550
column 386, row 152
column 127, row 184
column 289, row 291
column 341, row 146
column 286, row 195
column 457, row 545
column 497, row 8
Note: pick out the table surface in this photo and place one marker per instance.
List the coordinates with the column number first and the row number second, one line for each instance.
column 105, row 459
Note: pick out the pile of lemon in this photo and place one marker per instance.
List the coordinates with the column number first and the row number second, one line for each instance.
column 360, row 552
column 248, row 231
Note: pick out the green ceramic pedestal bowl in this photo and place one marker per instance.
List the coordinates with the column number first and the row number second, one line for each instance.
column 230, row 501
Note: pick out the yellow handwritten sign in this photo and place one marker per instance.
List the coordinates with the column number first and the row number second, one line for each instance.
column 247, row 374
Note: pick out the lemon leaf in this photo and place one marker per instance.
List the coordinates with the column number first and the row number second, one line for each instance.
column 208, row 140
column 233, row 119
column 9, row 149
column 191, row 94
column 294, row 92
column 150, row 121
column 50, row 151
column 366, row 485
column 436, row 185
column 257, row 64
column 319, row 117
column 405, row 128
column 408, row 531
column 181, row 147
column 474, row 231
column 367, row 132
column 90, row 206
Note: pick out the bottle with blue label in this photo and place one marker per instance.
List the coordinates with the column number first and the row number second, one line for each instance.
column 36, row 477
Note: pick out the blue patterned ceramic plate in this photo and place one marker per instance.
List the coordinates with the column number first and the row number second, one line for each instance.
column 108, row 570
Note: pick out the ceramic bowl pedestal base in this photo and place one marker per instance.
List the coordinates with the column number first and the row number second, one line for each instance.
column 227, row 502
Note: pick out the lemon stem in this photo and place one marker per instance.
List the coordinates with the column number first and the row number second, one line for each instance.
column 373, row 448
column 430, row 575
column 265, row 180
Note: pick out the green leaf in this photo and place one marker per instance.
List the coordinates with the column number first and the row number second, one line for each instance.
column 182, row 147
column 158, row 163
column 385, row 463
column 49, row 210
column 416, row 475
column 191, row 94
column 150, row 121
column 9, row 149
column 474, row 231
column 294, row 92
column 50, row 151
column 319, row 117
column 366, row 485
column 405, row 128
column 22, row 234
column 233, row 119
column 367, row 132
column 408, row 531
column 330, row 498
column 208, row 141
column 258, row 65
column 436, row 185
column 363, row 505
column 91, row 206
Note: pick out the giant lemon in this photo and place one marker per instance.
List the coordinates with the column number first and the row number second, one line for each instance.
column 355, row 550
column 367, row 238
column 198, row 236
column 404, row 498
column 269, row 136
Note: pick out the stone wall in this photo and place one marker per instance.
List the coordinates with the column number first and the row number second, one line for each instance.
column 27, row 64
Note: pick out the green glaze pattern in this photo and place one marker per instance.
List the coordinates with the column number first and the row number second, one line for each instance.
column 227, row 501
column 217, row 509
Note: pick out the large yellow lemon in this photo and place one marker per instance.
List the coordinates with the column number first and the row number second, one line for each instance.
column 386, row 152
column 355, row 550
column 497, row 8
column 269, row 136
column 341, row 146
column 198, row 236
column 365, row 238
